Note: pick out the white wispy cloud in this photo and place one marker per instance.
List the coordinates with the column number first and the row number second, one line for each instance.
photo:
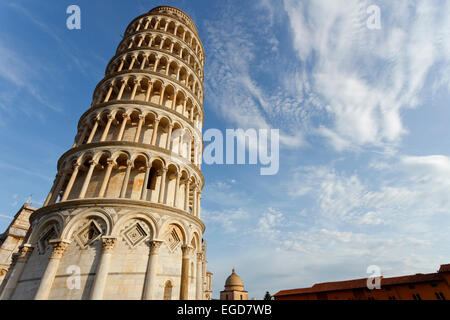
column 6, row 217
column 364, row 79
column 25, row 171
column 412, row 188
column 14, row 68
column 237, row 94
column 227, row 221
column 70, row 51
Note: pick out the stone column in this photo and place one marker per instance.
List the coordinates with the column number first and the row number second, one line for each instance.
column 184, row 287
column 155, row 131
column 109, row 168
column 58, row 188
column 71, row 182
column 122, row 61
column 122, row 127
column 162, row 185
column 144, row 60
column 150, row 277
column 59, row 246
column 174, row 102
column 190, row 145
column 126, row 179
column 108, row 94
column 87, row 180
column 135, row 86
column 195, row 153
column 52, row 190
column 94, row 130
column 149, row 91
column 177, row 186
column 146, row 24
column 133, row 59
column 108, row 125
column 161, row 98
column 169, row 136
column 199, row 197
column 145, row 184
column 101, row 274
column 119, row 96
column 199, row 280
column 194, row 202
column 83, row 135
column 22, row 257
column 139, row 128
column 205, row 277
column 186, row 197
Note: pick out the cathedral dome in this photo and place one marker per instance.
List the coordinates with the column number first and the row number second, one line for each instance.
column 234, row 281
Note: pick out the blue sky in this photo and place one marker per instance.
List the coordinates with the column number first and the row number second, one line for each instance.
column 363, row 113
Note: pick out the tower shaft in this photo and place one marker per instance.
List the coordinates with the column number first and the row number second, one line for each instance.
column 122, row 219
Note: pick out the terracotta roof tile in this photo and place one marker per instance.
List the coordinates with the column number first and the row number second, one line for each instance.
column 362, row 283
column 444, row 268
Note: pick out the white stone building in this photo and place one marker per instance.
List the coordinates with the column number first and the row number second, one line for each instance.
column 122, row 220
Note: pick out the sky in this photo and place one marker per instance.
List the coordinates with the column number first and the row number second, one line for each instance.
column 363, row 115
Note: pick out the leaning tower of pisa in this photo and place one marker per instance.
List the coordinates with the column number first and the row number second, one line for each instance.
column 122, row 220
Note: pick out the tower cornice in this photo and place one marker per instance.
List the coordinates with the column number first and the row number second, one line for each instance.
column 190, row 25
column 117, row 203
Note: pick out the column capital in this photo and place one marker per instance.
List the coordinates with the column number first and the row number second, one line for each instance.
column 161, row 171
column 75, row 165
column 59, row 247
column 25, row 252
column 186, row 249
column 93, row 162
column 199, row 256
column 14, row 259
column 125, row 116
column 154, row 245
column 110, row 162
column 129, row 163
column 121, row 80
column 108, row 244
column 134, row 80
column 110, row 117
